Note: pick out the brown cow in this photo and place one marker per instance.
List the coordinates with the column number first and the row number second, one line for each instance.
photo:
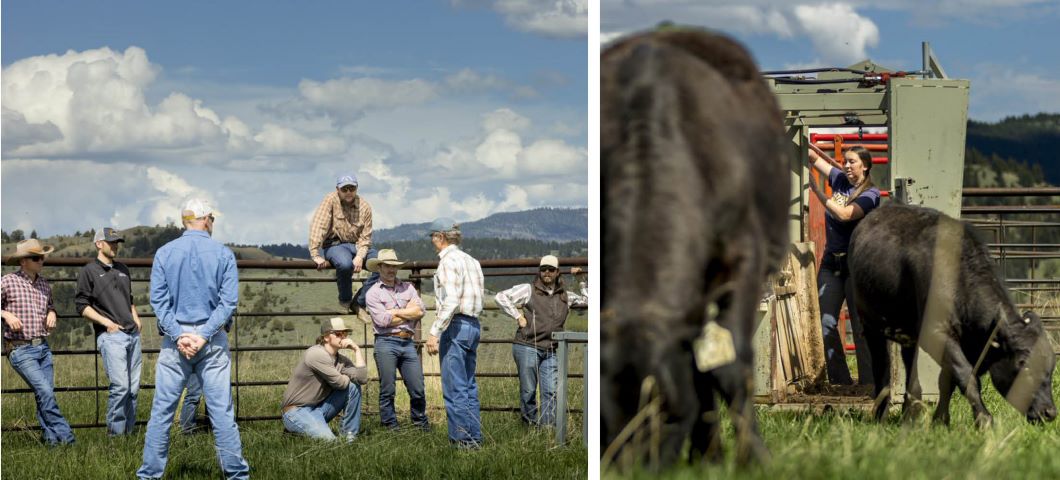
column 695, row 173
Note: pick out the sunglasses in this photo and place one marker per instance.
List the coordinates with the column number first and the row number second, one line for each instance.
column 340, row 333
column 349, row 188
column 549, row 269
column 35, row 258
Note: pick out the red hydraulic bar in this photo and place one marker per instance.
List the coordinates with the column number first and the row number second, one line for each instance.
column 868, row 137
column 874, row 147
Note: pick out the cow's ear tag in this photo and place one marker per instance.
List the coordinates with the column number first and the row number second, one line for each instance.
column 714, row 347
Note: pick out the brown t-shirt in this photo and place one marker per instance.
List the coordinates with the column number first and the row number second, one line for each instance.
column 317, row 374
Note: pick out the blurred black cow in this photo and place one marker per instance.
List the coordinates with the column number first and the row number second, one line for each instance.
column 921, row 276
column 696, row 188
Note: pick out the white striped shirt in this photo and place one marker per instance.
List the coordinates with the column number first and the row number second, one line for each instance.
column 458, row 288
column 512, row 299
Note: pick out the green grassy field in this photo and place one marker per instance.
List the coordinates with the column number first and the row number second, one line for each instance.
column 849, row 444
column 511, row 450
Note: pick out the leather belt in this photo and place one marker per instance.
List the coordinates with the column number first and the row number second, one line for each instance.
column 13, row 344
column 289, row 408
column 405, row 334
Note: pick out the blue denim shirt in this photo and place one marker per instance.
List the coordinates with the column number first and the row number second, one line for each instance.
column 194, row 281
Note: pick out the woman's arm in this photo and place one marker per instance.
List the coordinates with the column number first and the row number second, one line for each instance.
column 844, row 213
column 820, row 160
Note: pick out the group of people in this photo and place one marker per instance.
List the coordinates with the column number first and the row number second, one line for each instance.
column 194, row 294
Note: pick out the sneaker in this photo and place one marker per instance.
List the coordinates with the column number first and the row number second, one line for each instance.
column 348, row 437
column 345, row 307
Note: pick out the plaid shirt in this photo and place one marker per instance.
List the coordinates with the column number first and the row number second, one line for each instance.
column 457, row 287
column 30, row 301
column 335, row 223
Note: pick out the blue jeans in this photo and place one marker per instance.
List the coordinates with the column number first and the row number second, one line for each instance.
column 213, row 366
column 188, row 409
column 832, row 291
column 391, row 354
column 458, row 347
column 536, row 365
column 341, row 257
column 312, row 421
column 34, row 365
column 122, row 360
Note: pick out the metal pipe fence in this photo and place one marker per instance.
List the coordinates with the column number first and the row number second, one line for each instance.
column 998, row 221
column 416, row 276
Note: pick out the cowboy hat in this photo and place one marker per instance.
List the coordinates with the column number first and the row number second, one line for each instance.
column 334, row 324
column 386, row 256
column 29, row 248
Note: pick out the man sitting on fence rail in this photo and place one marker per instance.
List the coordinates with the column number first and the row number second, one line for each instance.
column 325, row 383
column 396, row 310
column 194, row 292
column 29, row 315
column 547, row 303
column 458, row 287
column 341, row 233
column 104, row 296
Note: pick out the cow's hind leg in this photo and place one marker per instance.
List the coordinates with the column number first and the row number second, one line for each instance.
column 913, row 406
column 881, row 372
column 706, row 431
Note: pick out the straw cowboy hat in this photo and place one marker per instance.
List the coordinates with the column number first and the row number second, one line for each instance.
column 29, row 248
column 387, row 256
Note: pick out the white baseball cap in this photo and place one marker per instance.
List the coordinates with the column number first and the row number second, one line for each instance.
column 196, row 208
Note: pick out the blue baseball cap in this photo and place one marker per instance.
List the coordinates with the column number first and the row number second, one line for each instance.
column 346, row 179
column 443, row 224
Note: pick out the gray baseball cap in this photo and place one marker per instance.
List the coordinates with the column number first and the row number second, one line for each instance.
column 443, row 224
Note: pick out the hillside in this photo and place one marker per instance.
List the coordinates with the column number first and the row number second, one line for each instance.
column 547, row 224
column 1030, row 140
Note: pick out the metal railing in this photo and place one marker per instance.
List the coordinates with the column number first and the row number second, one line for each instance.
column 1000, row 225
column 416, row 276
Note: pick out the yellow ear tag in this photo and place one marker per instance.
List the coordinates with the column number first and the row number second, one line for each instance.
column 714, row 347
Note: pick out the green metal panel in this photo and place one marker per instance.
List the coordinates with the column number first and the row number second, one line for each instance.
column 836, row 102
column 762, row 345
column 928, row 124
column 797, row 205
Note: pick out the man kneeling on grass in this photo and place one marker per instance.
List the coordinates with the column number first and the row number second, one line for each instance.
column 325, row 383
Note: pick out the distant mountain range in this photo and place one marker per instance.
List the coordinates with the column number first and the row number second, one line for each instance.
column 546, row 224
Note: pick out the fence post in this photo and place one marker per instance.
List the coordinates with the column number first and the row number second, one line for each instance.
column 561, row 390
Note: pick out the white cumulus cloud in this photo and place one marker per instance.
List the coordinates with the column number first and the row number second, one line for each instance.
column 838, row 32
column 551, row 18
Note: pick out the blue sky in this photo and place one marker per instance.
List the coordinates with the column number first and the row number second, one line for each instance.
column 114, row 112
column 1007, row 48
